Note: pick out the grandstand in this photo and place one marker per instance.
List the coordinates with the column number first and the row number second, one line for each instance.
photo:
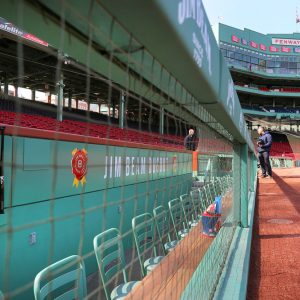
column 265, row 70
column 99, row 198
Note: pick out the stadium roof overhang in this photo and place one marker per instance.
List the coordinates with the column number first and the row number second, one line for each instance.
column 92, row 57
column 261, row 78
column 38, row 71
column 184, row 44
column 180, row 37
column 269, row 120
column 272, row 116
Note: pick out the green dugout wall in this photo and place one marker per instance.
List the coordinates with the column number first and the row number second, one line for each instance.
column 41, row 200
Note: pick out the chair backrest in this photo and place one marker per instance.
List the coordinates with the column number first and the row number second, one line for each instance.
column 224, row 183
column 197, row 198
column 177, row 215
column 162, row 221
column 229, row 182
column 212, row 190
column 188, row 208
column 207, row 195
column 203, row 198
column 62, row 280
column 110, row 256
column 144, row 232
column 218, row 186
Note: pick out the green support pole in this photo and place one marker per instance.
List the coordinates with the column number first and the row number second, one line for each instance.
column 251, row 166
column 60, row 95
column 161, row 120
column 114, row 109
column 33, row 95
column 5, row 86
column 244, row 185
column 122, row 110
column 69, row 99
column 16, row 91
column 254, row 167
column 236, row 168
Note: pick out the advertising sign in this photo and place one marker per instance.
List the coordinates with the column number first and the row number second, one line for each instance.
column 235, row 39
column 253, row 44
column 297, row 50
column 12, row 29
column 285, row 49
column 244, row 42
column 273, row 49
column 263, row 47
column 281, row 41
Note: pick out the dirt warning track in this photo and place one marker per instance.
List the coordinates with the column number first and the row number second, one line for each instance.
column 275, row 253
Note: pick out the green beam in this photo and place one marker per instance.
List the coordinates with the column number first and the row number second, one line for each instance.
column 258, row 113
column 122, row 109
column 272, row 94
column 161, row 120
column 60, row 99
column 33, row 95
column 271, row 114
column 262, row 74
column 236, row 170
column 240, row 187
column 244, row 185
column 253, row 170
column 6, row 83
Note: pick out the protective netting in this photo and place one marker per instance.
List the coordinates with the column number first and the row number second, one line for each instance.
column 294, row 141
column 94, row 172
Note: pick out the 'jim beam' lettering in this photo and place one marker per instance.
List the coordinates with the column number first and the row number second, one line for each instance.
column 118, row 166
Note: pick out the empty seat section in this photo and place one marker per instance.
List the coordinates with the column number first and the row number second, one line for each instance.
column 89, row 129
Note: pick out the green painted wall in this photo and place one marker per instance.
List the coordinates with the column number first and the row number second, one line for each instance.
column 65, row 218
column 226, row 32
column 266, row 93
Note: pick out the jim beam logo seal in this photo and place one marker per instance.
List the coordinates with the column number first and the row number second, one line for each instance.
column 79, row 166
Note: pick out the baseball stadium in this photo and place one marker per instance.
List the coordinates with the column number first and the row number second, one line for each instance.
column 101, row 196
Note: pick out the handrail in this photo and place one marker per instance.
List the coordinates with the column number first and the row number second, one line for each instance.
column 69, row 137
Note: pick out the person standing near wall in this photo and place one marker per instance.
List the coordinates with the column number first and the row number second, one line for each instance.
column 264, row 144
column 190, row 141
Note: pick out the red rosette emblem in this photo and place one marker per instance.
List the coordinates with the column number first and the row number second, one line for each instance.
column 79, row 166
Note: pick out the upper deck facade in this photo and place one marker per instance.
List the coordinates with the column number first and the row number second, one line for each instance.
column 271, row 55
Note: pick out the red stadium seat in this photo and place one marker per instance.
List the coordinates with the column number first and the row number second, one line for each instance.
column 90, row 129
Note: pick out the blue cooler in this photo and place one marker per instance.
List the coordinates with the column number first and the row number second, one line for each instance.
column 211, row 224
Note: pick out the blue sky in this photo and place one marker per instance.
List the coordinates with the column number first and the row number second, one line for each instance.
column 265, row 16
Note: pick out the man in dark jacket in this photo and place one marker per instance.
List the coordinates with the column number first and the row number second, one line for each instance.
column 264, row 144
column 190, row 141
